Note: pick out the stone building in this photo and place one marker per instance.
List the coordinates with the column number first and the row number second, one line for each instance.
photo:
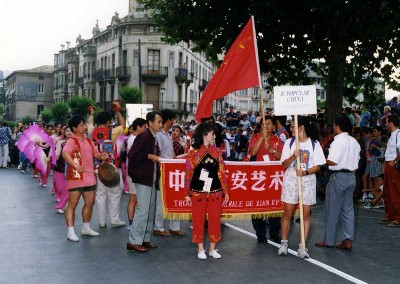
column 28, row 92
column 130, row 52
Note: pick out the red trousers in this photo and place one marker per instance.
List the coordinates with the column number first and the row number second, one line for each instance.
column 202, row 204
column 391, row 193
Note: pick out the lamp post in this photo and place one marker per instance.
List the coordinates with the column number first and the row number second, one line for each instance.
column 162, row 92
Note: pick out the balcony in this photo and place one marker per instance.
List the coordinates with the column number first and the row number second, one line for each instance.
column 154, row 73
column 203, row 84
column 61, row 66
column 109, row 75
column 183, row 76
column 73, row 59
column 123, row 73
column 89, row 50
column 99, row 77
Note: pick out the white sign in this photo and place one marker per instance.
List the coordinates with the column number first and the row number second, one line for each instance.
column 134, row 111
column 290, row 100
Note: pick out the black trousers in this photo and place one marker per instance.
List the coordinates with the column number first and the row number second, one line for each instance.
column 260, row 226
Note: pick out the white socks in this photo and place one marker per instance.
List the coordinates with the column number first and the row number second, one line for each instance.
column 86, row 227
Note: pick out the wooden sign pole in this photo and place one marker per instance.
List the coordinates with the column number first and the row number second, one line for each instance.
column 299, row 185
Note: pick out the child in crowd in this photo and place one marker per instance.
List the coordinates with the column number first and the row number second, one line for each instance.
column 372, row 197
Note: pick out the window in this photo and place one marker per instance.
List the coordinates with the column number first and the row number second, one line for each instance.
column 41, row 77
column 154, row 29
column 255, row 94
column 40, row 108
column 153, row 60
column 171, row 59
column 243, row 92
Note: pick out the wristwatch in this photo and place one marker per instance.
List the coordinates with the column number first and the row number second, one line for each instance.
column 307, row 173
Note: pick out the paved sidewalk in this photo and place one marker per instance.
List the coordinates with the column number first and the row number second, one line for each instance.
column 34, row 249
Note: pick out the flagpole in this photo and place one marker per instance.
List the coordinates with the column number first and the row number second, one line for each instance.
column 299, row 185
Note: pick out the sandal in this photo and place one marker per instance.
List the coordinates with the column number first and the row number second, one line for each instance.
column 385, row 222
column 394, row 224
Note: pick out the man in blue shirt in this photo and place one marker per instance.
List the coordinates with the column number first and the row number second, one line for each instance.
column 5, row 135
column 231, row 119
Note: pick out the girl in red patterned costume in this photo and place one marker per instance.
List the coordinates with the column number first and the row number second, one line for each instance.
column 206, row 187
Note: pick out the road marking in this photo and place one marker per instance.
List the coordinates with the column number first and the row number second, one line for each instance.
column 311, row 260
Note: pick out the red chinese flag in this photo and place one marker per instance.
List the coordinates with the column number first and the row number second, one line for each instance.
column 239, row 70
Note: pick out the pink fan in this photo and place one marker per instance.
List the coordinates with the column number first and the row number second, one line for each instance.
column 52, row 154
column 22, row 142
column 120, row 144
column 35, row 133
column 29, row 151
column 40, row 160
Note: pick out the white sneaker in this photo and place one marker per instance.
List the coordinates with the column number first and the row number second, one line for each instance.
column 283, row 249
column 302, row 253
column 22, row 172
column 44, row 185
column 118, row 224
column 129, row 227
column 89, row 232
column 102, row 225
column 73, row 238
column 214, row 254
column 19, row 167
column 202, row 254
column 59, row 211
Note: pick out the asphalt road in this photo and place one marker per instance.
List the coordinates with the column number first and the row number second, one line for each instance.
column 34, row 249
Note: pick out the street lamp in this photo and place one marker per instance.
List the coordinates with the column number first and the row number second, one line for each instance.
column 162, row 92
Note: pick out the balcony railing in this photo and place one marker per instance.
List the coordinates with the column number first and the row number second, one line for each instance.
column 99, row 76
column 89, row 50
column 72, row 59
column 109, row 75
column 154, row 72
column 183, row 76
column 123, row 73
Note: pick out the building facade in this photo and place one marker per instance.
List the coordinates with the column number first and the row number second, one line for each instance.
column 130, row 52
column 28, row 92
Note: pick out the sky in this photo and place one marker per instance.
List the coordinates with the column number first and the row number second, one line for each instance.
column 32, row 31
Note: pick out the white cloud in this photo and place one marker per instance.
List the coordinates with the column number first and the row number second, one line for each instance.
column 32, row 31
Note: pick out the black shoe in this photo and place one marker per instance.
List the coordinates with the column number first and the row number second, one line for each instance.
column 262, row 240
column 276, row 239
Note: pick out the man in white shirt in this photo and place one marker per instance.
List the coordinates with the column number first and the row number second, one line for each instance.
column 343, row 158
column 164, row 140
column 391, row 194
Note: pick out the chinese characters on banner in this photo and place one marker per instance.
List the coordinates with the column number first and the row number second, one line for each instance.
column 254, row 187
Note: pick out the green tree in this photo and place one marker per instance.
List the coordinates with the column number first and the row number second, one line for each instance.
column 356, row 41
column 46, row 115
column 27, row 119
column 78, row 105
column 130, row 95
column 60, row 112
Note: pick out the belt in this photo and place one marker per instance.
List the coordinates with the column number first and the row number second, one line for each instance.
column 342, row 171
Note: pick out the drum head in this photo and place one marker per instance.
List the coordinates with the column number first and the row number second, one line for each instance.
column 108, row 175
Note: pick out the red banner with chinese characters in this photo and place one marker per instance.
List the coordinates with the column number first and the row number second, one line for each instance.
column 254, row 187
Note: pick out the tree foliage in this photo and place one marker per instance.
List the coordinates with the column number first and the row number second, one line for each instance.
column 79, row 105
column 46, row 115
column 356, row 41
column 130, row 95
column 27, row 119
column 60, row 112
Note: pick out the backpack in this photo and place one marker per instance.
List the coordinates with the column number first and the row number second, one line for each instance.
column 101, row 137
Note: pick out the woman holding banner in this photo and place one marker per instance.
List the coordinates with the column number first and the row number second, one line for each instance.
column 311, row 158
column 206, row 187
